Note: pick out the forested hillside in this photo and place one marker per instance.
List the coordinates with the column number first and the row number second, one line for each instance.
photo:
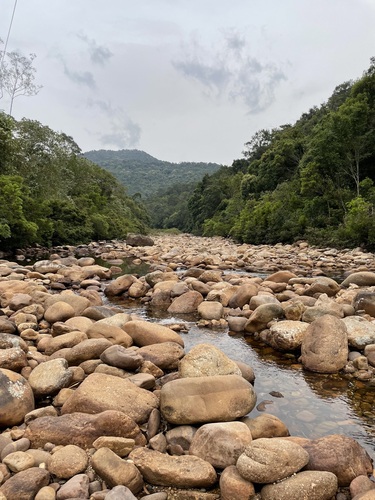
column 311, row 180
column 142, row 173
column 51, row 195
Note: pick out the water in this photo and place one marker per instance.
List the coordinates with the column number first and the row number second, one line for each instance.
column 312, row 405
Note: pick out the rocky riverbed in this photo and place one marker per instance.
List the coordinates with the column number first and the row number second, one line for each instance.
column 99, row 403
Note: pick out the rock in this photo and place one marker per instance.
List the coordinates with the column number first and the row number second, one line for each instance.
column 87, row 349
column 281, row 276
column 362, row 278
column 20, row 300
column 219, row 398
column 324, row 305
column 113, row 333
column 236, row 323
column 339, row 454
column 119, row 285
column 77, row 487
column 262, row 316
column 233, row 486
column 365, row 301
column 116, row 471
column 286, row 335
column 18, row 461
column 186, row 303
column 121, row 446
column 46, row 493
column 16, row 398
column 49, row 377
column 210, row 310
column 82, row 429
column 77, row 302
column 243, row 295
column 269, row 460
column 68, row 461
column 207, row 360
column 324, row 346
column 100, row 392
column 146, row 333
column 26, row 484
column 361, row 484
column 322, row 284
column 139, row 240
column 59, row 311
column 7, row 326
column 306, row 485
column 67, row 340
column 123, row 493
column 181, row 471
column 220, row 444
column 181, row 436
column 13, row 359
column 118, row 356
column 266, row 426
column 165, row 355
column 360, row 331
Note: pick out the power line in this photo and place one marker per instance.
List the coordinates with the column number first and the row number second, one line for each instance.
column 8, row 35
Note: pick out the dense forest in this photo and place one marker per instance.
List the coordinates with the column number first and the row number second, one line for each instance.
column 51, row 195
column 311, row 180
column 143, row 174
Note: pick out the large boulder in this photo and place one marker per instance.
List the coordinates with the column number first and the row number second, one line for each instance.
column 286, row 335
column 361, row 278
column 100, row 392
column 324, row 346
column 139, row 240
column 219, row 398
column 361, row 332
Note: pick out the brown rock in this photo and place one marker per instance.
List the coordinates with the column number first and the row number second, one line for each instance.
column 286, row 335
column 119, row 285
column 207, row 360
column 76, row 487
column 16, row 398
column 269, row 460
column 306, row 485
column 219, row 398
column 59, row 311
column 177, row 471
column 165, row 355
column 186, row 303
column 146, row 333
column 339, row 454
column 121, row 446
column 243, row 295
column 68, row 461
column 113, row 333
column 220, row 444
column 25, row 484
column 266, row 426
column 82, row 429
column 13, row 359
column 233, row 486
column 67, row 340
column 262, row 316
column 115, row 471
column 49, row 377
column 87, row 349
column 100, row 392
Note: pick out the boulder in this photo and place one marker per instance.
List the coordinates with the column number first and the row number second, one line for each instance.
column 146, row 333
column 100, row 392
column 220, row 443
column 26, row 484
column 365, row 301
column 219, row 398
column 68, row 461
column 49, row 377
column 266, row 426
column 16, row 398
column 262, row 316
column 210, row 310
column 243, row 295
column 207, row 360
column 119, row 285
column 76, row 487
column 165, row 355
column 269, row 460
column 309, row 485
column 82, row 429
column 233, row 486
column 113, row 333
column 139, row 240
column 324, row 346
column 360, row 332
column 177, row 471
column 286, row 335
column 186, row 303
column 362, row 278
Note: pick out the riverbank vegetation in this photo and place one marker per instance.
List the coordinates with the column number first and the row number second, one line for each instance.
column 51, row 195
column 312, row 180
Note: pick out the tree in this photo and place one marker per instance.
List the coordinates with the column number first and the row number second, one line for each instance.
column 17, row 76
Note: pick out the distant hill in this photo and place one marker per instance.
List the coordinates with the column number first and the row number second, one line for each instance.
column 144, row 174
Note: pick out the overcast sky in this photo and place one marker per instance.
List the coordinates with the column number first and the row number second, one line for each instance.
column 184, row 80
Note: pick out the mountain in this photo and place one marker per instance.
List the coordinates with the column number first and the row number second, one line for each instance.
column 144, row 174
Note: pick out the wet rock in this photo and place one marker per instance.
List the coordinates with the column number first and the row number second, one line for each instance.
column 324, row 346
column 269, row 460
column 186, row 303
column 360, row 331
column 262, row 316
column 220, row 444
column 165, row 355
column 100, row 392
column 119, row 285
column 286, row 335
column 219, row 398
column 266, row 426
column 243, row 295
column 309, row 485
column 207, row 360
column 362, row 278
column 210, row 310
column 181, row 471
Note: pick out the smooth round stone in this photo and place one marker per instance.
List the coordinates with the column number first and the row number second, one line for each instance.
column 68, row 461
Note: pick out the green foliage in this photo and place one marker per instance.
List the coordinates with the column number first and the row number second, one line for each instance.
column 312, row 180
column 142, row 173
column 51, row 195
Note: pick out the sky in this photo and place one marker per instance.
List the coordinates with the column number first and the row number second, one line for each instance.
column 183, row 80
